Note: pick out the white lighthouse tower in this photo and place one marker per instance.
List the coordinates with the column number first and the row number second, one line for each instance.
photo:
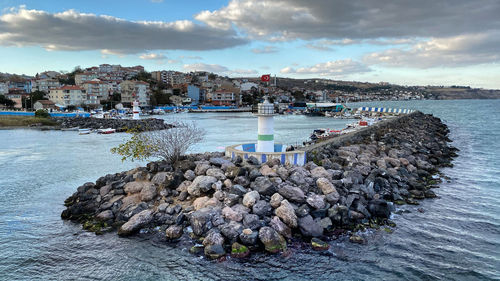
column 265, row 140
column 135, row 110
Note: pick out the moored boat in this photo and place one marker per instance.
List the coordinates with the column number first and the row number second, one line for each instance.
column 84, row 131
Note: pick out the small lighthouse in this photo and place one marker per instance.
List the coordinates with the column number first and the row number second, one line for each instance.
column 135, row 110
column 265, row 139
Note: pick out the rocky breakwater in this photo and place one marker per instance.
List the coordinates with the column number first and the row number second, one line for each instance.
column 121, row 125
column 234, row 207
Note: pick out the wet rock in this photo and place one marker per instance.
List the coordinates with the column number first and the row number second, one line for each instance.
column 319, row 245
column 201, row 184
column 136, row 222
column 214, row 251
column 280, row 227
column 105, row 215
column 250, row 198
column 272, row 240
column 239, row 251
column 213, row 238
column 286, row 213
column 326, row 223
column 201, row 221
column 173, row 232
column 309, row 227
column 379, row 208
column 231, row 230
column 357, row 239
column 249, row 237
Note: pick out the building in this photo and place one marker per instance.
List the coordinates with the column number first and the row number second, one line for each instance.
column 223, row 97
column 4, row 88
column 132, row 90
column 80, row 78
column 194, row 94
column 45, row 85
column 68, row 95
column 44, row 104
column 17, row 95
column 96, row 91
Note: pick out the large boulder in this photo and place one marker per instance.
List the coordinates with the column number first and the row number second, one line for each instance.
column 379, row 208
column 134, row 186
column 262, row 208
column 165, row 179
column 173, row 232
column 263, row 185
column 216, row 173
column 320, row 172
column 213, row 238
column 250, row 198
column 200, row 185
column 231, row 214
column 280, row 227
column 148, row 192
column 292, row 193
column 309, row 227
column 286, row 213
column 272, row 240
column 201, row 221
column 136, row 222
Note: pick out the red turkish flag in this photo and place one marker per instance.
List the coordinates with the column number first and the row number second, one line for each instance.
column 265, row 78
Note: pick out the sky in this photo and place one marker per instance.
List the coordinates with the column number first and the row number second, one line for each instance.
column 406, row 42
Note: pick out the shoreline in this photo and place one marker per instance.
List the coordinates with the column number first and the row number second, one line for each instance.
column 239, row 206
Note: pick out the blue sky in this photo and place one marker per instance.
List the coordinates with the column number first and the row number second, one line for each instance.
column 405, row 43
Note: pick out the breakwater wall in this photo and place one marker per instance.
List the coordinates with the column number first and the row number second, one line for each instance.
column 222, row 205
column 121, row 125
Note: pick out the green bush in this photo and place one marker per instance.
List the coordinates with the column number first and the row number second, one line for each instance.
column 42, row 113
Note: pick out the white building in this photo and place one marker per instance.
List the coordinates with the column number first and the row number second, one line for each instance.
column 132, row 90
column 68, row 95
column 96, row 91
column 45, row 85
column 80, row 78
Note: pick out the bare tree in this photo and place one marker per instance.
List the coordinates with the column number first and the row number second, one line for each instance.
column 168, row 144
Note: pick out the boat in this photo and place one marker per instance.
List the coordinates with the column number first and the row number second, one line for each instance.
column 70, row 129
column 320, row 134
column 84, row 131
column 106, row 131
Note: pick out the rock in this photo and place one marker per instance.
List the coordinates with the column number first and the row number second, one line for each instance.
column 280, row 227
column 430, row 194
column 265, row 170
column 253, row 161
column 201, row 184
column 231, row 199
column 316, row 201
column 282, row 173
column 276, row 200
column 319, row 245
column 357, row 239
column 214, row 251
column 249, row 237
column 162, row 207
column 184, row 165
column 228, row 183
column 136, row 222
column 292, row 193
column 251, row 221
column 199, row 203
column 309, row 227
column 173, row 232
column 220, row 161
column 164, row 179
column 303, row 211
column 134, row 187
column 250, row 198
column 320, row 172
column 189, row 175
column 148, row 192
column 262, row 208
column 233, row 172
column 263, row 185
column 286, row 213
column 241, row 180
column 216, row 173
column 201, row 221
column 325, row 186
column 272, row 240
column 105, row 215
column 201, row 169
column 239, row 251
column 238, row 190
column 379, row 208
column 230, row 214
column 231, row 230
column 213, row 238
column 326, row 223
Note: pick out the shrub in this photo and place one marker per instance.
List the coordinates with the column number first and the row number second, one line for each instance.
column 42, row 113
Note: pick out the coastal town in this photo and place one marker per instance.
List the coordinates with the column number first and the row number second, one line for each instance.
column 105, row 86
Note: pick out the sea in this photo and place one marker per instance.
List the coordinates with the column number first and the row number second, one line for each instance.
column 453, row 237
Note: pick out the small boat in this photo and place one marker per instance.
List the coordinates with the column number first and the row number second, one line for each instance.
column 106, row 131
column 324, row 134
column 84, row 131
column 70, row 129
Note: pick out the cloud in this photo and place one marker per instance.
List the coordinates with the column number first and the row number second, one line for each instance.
column 278, row 20
column 216, row 68
column 265, row 50
column 74, row 31
column 191, row 57
column 467, row 49
column 152, row 56
column 205, row 67
column 330, row 68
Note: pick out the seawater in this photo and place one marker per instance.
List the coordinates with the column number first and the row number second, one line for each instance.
column 457, row 237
